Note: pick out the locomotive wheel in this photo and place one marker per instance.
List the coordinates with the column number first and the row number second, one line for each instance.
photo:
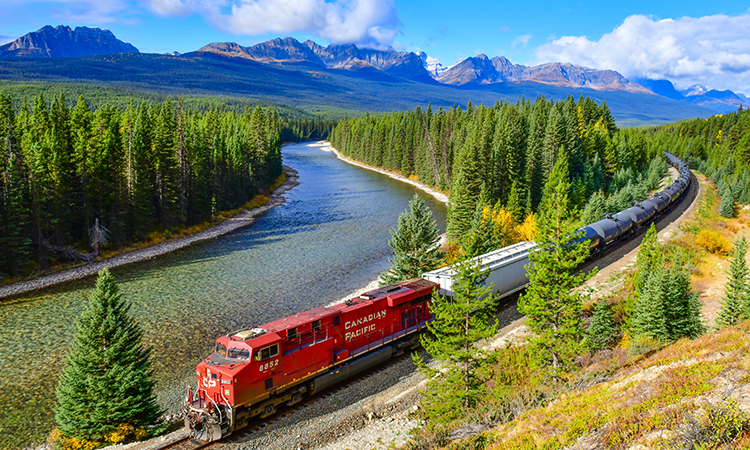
column 269, row 410
column 295, row 399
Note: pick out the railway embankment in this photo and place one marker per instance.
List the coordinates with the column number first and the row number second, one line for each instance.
column 377, row 410
column 241, row 220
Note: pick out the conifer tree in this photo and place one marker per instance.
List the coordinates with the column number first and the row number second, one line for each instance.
column 726, row 207
column 552, row 310
column 461, row 207
column 683, row 309
column 733, row 308
column 649, row 257
column 481, row 238
column 649, row 317
column 107, row 380
column 595, row 208
column 514, row 205
column 415, row 243
column 458, row 323
column 602, row 328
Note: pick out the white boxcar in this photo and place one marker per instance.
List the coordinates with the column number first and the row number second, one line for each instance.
column 506, row 266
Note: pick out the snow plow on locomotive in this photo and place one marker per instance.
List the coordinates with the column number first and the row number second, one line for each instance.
column 255, row 370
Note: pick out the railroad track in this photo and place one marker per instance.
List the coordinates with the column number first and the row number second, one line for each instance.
column 259, row 426
column 186, row 443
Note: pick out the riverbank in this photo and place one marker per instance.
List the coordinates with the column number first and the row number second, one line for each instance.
column 326, row 147
column 241, row 220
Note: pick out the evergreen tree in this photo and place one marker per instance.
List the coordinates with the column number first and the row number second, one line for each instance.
column 602, row 328
column 726, row 207
column 683, row 308
column 461, row 207
column 107, row 380
column 733, row 308
column 649, row 318
column 481, row 238
column 458, row 323
column 514, row 205
column 552, row 310
column 415, row 243
column 649, row 258
column 595, row 208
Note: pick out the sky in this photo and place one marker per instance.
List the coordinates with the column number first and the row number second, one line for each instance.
column 687, row 42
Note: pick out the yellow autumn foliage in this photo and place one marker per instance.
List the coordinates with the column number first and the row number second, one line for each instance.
column 527, row 230
column 713, row 242
column 504, row 226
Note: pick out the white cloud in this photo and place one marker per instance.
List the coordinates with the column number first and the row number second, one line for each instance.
column 503, row 29
column 372, row 23
column 713, row 50
column 521, row 40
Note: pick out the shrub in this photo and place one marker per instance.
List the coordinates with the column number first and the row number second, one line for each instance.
column 713, row 242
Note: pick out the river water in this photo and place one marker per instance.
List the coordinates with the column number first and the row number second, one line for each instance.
column 329, row 239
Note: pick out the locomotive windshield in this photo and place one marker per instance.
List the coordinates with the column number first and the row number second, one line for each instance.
column 238, row 353
column 220, row 349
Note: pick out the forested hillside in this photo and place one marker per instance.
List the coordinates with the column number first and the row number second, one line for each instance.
column 718, row 146
column 502, row 153
column 73, row 178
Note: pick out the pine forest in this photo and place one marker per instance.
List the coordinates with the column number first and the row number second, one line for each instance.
column 72, row 178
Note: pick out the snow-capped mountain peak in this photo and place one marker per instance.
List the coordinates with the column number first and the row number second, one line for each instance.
column 432, row 65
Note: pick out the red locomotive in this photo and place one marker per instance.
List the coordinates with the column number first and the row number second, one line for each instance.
column 254, row 370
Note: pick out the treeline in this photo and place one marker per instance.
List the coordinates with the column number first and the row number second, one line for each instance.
column 718, row 146
column 503, row 153
column 305, row 129
column 71, row 177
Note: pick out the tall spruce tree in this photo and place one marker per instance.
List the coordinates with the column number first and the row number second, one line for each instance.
column 602, row 329
column 482, row 237
column 107, row 380
column 683, row 308
column 726, row 207
column 733, row 307
column 649, row 317
column 458, row 323
column 415, row 243
column 552, row 310
column 649, row 257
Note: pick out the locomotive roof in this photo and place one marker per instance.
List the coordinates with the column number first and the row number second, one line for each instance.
column 398, row 290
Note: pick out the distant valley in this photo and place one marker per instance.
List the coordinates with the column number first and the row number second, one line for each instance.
column 340, row 79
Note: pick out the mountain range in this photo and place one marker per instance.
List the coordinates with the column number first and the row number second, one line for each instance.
column 478, row 78
column 64, row 42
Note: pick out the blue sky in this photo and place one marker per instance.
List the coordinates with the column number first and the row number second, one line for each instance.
column 688, row 42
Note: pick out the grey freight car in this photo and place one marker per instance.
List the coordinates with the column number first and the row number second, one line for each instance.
column 506, row 266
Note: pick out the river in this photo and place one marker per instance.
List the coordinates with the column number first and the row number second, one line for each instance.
column 330, row 238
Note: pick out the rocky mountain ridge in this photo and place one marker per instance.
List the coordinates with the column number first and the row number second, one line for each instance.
column 497, row 74
column 346, row 57
column 720, row 101
column 65, row 42
column 419, row 66
column 483, row 70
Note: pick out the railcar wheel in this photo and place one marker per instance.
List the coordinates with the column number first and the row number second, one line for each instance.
column 269, row 410
column 295, row 399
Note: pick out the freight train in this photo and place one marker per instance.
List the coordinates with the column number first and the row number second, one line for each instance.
column 255, row 370
column 507, row 266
